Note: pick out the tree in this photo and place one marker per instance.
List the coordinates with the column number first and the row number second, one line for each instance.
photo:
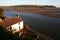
column 1, row 14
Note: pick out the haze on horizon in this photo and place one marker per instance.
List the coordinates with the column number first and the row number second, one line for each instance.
column 29, row 2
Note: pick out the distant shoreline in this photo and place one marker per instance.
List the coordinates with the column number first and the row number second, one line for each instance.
column 42, row 11
column 45, row 12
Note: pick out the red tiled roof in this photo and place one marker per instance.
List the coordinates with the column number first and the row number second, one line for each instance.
column 10, row 21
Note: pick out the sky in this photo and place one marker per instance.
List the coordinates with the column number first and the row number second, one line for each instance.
column 29, row 2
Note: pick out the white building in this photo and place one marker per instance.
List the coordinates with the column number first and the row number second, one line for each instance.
column 14, row 24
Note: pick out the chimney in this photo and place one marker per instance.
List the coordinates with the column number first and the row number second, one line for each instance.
column 17, row 15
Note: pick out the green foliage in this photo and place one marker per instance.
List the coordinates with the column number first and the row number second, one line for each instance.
column 1, row 14
column 1, row 10
column 35, row 6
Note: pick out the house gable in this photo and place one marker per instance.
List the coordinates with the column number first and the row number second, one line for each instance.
column 10, row 21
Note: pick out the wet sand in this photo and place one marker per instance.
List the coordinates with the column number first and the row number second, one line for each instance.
column 42, row 11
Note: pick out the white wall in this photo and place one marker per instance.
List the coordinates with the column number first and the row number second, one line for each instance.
column 16, row 26
column 21, row 25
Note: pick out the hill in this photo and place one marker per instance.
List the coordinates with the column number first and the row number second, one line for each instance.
column 46, row 10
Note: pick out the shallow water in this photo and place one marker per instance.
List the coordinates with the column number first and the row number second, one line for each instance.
column 47, row 25
column 55, row 13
